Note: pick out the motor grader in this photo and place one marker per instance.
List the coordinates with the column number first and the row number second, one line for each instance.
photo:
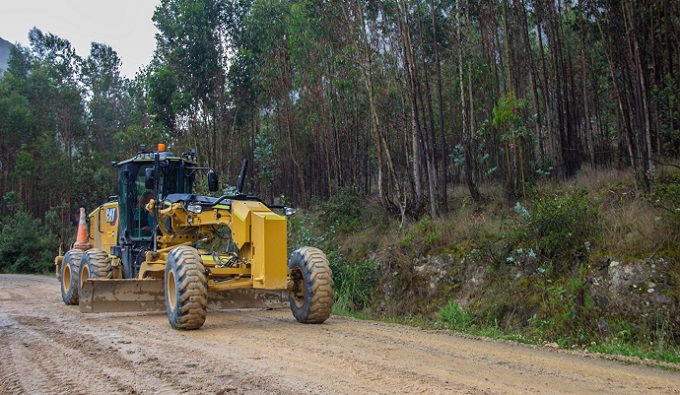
column 151, row 248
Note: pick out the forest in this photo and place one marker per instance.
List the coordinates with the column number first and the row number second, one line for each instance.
column 346, row 104
column 400, row 99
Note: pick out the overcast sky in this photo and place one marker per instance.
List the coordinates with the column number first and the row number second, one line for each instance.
column 124, row 25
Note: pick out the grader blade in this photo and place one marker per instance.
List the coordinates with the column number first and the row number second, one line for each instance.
column 101, row 295
column 247, row 299
column 111, row 296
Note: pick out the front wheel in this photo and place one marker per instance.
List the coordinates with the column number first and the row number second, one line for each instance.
column 94, row 263
column 311, row 298
column 70, row 270
column 186, row 289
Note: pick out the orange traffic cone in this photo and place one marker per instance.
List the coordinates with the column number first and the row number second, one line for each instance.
column 81, row 240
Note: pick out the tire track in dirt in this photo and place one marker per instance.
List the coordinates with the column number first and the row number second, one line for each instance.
column 102, row 360
column 194, row 366
column 99, row 355
column 436, row 362
column 268, row 352
column 347, row 360
column 79, row 369
column 10, row 382
column 169, row 354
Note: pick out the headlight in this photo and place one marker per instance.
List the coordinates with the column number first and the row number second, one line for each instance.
column 288, row 211
column 195, row 208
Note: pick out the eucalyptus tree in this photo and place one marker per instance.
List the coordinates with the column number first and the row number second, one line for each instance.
column 191, row 47
column 57, row 94
column 108, row 101
column 17, row 121
column 60, row 66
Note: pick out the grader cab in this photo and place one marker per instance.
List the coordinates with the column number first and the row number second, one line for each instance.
column 152, row 247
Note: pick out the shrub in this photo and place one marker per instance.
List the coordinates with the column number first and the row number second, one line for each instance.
column 454, row 316
column 665, row 197
column 354, row 280
column 563, row 225
column 344, row 211
column 26, row 246
column 354, row 283
column 564, row 311
column 428, row 236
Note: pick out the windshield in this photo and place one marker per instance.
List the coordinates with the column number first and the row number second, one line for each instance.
column 135, row 221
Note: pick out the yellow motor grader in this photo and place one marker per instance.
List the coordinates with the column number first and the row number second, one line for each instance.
column 149, row 248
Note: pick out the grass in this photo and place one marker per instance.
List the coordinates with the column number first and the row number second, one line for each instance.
column 668, row 355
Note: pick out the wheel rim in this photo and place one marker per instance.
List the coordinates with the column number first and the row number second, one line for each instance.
column 84, row 275
column 172, row 290
column 298, row 293
column 66, row 278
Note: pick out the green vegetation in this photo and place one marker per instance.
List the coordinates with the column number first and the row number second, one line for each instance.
column 26, row 245
column 648, row 340
column 536, row 265
column 410, row 128
column 454, row 317
column 565, row 226
column 355, row 279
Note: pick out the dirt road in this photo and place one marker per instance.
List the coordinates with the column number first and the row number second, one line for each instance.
column 47, row 347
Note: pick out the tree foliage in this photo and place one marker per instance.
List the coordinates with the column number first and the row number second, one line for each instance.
column 25, row 245
column 399, row 99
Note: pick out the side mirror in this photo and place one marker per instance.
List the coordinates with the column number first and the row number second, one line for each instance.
column 149, row 178
column 213, row 183
column 242, row 177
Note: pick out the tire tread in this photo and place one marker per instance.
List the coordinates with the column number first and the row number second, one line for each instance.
column 318, row 279
column 71, row 258
column 192, row 287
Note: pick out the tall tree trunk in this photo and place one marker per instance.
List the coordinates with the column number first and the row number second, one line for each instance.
column 534, row 86
column 509, row 182
column 506, row 48
column 443, row 200
column 640, row 94
column 428, row 120
column 367, row 72
column 546, row 87
column 418, row 136
column 467, row 133
column 625, row 126
column 588, row 130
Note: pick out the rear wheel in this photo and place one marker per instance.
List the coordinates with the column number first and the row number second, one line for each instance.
column 94, row 263
column 186, row 289
column 311, row 298
column 70, row 269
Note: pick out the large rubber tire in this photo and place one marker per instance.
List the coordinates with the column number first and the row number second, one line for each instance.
column 186, row 289
column 311, row 298
column 94, row 263
column 70, row 272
